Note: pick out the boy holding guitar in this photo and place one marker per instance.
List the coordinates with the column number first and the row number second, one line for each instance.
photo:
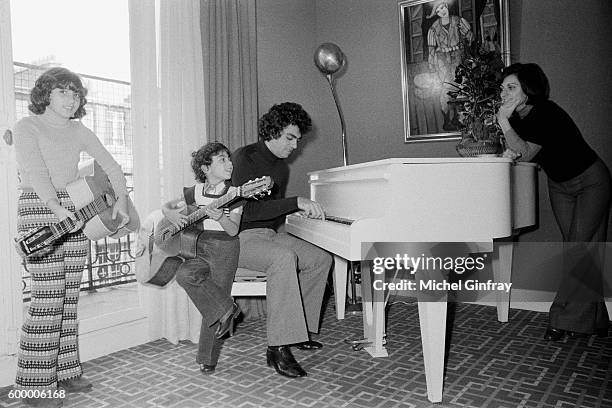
column 208, row 277
column 48, row 147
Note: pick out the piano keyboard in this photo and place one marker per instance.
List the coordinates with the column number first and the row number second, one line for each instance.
column 339, row 220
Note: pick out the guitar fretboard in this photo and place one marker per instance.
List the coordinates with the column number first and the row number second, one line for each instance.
column 200, row 213
column 84, row 214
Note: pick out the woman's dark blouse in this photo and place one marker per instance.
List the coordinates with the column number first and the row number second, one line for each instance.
column 564, row 153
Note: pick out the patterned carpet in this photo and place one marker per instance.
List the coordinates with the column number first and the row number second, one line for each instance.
column 489, row 365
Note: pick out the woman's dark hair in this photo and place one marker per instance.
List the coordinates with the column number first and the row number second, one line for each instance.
column 203, row 157
column 56, row 78
column 280, row 116
column 532, row 79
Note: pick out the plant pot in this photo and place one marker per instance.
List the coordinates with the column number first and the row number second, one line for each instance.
column 474, row 148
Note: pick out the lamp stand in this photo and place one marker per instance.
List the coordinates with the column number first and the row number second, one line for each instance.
column 353, row 307
column 332, row 85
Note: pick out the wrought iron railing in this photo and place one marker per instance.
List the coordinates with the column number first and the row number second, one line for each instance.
column 110, row 262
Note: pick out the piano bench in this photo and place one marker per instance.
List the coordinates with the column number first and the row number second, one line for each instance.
column 249, row 283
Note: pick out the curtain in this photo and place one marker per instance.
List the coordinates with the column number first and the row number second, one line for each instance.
column 230, row 69
column 229, row 42
column 168, row 102
column 188, row 86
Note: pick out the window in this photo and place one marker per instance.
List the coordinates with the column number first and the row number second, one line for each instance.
column 115, row 127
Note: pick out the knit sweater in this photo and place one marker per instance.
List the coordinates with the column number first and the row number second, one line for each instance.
column 564, row 153
column 48, row 154
column 256, row 160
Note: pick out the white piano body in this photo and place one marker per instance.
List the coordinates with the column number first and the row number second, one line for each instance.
column 420, row 200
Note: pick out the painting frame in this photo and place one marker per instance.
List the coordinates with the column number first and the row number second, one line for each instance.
column 423, row 77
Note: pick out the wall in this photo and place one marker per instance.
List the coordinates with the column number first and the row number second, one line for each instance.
column 286, row 41
column 570, row 43
column 572, row 46
column 369, row 89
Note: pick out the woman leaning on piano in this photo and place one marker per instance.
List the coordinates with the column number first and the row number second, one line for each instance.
column 579, row 185
column 48, row 146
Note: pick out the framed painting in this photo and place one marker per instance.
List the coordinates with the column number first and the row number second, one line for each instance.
column 432, row 33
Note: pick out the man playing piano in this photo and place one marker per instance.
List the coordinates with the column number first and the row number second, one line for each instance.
column 296, row 270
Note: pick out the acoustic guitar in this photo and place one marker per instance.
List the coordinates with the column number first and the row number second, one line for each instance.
column 163, row 247
column 93, row 197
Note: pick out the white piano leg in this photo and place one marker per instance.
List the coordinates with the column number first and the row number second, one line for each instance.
column 432, row 319
column 502, row 272
column 340, row 285
column 373, row 302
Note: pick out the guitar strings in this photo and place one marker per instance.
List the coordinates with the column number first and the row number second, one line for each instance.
column 197, row 214
column 83, row 214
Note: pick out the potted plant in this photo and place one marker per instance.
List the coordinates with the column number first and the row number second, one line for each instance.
column 476, row 97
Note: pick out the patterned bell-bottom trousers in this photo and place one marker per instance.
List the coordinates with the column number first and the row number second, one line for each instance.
column 48, row 350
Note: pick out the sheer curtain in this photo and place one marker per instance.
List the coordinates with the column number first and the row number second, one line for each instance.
column 182, row 75
column 168, row 102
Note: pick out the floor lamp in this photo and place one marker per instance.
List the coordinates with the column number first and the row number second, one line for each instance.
column 330, row 60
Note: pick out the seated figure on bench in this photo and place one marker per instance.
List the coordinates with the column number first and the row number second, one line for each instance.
column 296, row 270
column 208, row 278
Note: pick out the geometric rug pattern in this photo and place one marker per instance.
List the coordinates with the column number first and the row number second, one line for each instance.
column 489, row 364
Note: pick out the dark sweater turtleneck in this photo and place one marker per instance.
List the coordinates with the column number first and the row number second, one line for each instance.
column 256, row 160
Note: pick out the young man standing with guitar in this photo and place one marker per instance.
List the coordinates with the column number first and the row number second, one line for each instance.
column 296, row 270
column 208, row 276
column 48, row 147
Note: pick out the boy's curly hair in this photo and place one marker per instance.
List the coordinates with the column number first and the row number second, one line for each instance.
column 56, row 78
column 280, row 116
column 203, row 157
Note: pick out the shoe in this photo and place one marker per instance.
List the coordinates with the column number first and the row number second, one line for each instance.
column 76, row 384
column 226, row 323
column 576, row 335
column 43, row 402
column 207, row 369
column 553, row 334
column 309, row 345
column 281, row 358
column 601, row 332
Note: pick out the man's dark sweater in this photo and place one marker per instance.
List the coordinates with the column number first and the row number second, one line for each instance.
column 256, row 160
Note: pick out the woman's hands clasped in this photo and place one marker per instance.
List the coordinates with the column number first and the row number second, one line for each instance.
column 507, row 108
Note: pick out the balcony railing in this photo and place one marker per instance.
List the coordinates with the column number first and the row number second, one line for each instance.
column 110, row 261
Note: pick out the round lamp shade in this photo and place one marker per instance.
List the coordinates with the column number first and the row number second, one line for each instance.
column 329, row 58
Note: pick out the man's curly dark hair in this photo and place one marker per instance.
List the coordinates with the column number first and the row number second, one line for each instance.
column 61, row 78
column 280, row 116
column 203, row 156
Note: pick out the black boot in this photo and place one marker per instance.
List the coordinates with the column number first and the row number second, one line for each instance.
column 281, row 358
column 226, row 323
column 553, row 334
column 309, row 345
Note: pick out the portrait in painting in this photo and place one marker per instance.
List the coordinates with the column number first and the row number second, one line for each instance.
column 433, row 35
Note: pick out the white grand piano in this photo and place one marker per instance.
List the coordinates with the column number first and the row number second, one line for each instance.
column 418, row 200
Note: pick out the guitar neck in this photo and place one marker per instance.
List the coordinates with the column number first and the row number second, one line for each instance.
column 220, row 202
column 200, row 214
column 86, row 213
